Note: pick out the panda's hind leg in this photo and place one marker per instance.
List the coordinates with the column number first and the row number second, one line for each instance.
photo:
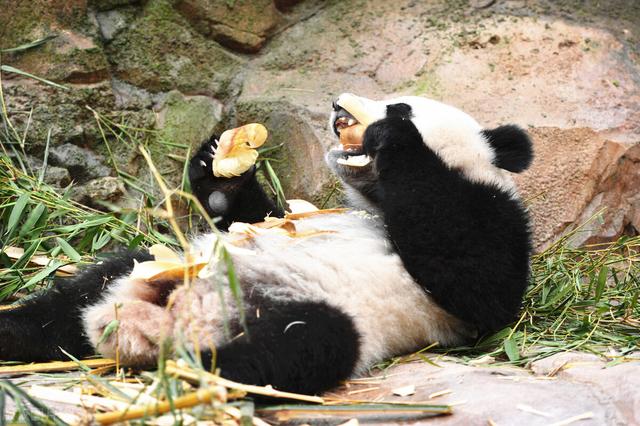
column 305, row 347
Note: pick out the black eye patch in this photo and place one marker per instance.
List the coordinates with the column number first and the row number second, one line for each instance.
column 400, row 110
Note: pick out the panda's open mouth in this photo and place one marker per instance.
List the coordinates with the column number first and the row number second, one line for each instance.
column 350, row 132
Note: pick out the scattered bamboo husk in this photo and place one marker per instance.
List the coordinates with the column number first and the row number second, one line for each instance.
column 56, row 366
column 48, row 393
column 16, row 253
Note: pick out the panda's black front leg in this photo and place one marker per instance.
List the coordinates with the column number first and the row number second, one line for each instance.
column 235, row 199
column 466, row 243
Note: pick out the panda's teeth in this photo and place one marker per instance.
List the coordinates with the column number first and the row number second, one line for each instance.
column 351, row 122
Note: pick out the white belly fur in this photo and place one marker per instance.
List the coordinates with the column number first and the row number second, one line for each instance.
column 353, row 269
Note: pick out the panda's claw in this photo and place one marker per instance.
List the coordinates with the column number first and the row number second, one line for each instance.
column 203, row 164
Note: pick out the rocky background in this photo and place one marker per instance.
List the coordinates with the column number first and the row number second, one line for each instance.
column 171, row 72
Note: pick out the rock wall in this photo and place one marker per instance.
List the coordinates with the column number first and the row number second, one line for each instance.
column 171, row 72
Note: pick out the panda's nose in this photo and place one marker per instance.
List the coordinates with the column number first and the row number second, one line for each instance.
column 335, row 105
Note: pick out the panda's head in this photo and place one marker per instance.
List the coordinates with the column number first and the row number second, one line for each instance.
column 481, row 155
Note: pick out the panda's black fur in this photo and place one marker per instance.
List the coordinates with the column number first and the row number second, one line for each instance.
column 448, row 236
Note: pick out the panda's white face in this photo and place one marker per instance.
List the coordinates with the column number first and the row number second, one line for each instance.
column 449, row 132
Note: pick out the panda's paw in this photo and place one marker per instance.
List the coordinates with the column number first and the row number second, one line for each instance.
column 133, row 330
column 395, row 135
column 214, row 193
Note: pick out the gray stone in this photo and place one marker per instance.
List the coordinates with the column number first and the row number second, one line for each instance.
column 187, row 120
column 160, row 51
column 241, row 25
column 510, row 395
column 111, row 22
column 108, row 188
column 302, row 151
column 83, row 164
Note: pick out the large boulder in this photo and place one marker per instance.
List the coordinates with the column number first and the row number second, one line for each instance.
column 240, row 25
column 70, row 56
column 581, row 183
column 298, row 159
column 159, row 52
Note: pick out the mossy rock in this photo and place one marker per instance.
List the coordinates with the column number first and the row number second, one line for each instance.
column 161, row 52
column 242, row 25
column 71, row 56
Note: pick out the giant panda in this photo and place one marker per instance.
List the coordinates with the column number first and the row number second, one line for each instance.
column 435, row 249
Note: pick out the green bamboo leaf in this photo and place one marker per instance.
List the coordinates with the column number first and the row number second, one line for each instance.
column 19, row 394
column 44, row 273
column 511, row 349
column 7, row 68
column 68, row 250
column 26, row 256
column 234, row 285
column 3, row 420
column 32, row 219
column 88, row 223
column 100, row 240
column 29, row 45
column 602, row 281
column 16, row 213
column 275, row 182
column 111, row 328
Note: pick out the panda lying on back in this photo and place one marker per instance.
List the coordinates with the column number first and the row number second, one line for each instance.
column 442, row 256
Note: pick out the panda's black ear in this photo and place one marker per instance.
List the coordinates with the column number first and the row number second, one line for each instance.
column 512, row 146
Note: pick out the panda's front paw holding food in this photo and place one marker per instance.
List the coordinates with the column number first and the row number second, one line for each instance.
column 213, row 192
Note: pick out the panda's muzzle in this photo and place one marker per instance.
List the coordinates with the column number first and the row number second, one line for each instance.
column 342, row 119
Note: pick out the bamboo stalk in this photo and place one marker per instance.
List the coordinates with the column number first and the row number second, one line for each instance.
column 201, row 396
column 55, row 366
column 195, row 377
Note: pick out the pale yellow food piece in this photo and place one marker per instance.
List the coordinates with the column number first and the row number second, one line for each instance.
column 164, row 253
column 352, row 136
column 354, row 107
column 236, row 151
column 167, row 266
column 154, row 271
column 300, row 206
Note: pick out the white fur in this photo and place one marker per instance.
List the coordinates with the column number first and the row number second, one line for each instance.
column 353, row 269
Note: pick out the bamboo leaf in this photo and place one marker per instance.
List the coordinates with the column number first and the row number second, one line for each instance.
column 111, row 328
column 44, row 273
column 7, row 68
column 602, row 281
column 32, row 220
column 16, row 213
column 68, row 250
column 511, row 349
column 26, row 256
column 29, row 45
column 18, row 393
